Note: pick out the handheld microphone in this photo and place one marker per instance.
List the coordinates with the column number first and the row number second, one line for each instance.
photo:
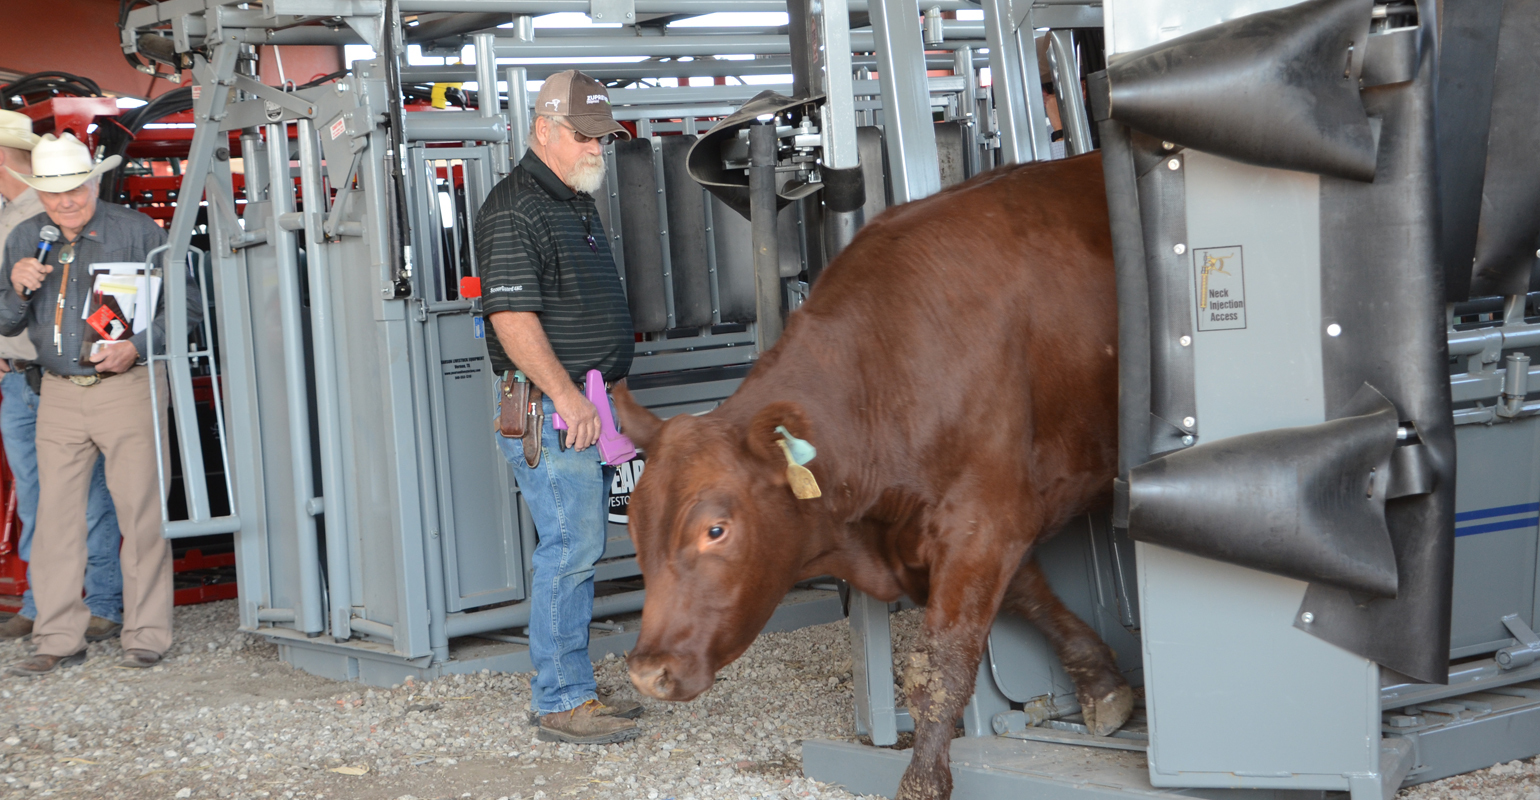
column 47, row 236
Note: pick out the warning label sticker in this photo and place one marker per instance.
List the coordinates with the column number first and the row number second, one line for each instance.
column 1219, row 276
column 339, row 127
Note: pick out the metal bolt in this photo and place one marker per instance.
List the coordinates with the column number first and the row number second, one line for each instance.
column 1180, row 249
column 1168, row 145
column 630, row 15
column 1334, row 329
column 1188, row 440
column 1188, row 422
column 1307, row 618
column 1174, row 164
column 1184, row 341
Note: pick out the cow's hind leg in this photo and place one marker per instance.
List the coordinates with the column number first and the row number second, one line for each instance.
column 938, row 680
column 1105, row 698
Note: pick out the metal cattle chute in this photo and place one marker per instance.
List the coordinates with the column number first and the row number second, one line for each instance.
column 1325, row 230
column 378, row 532
column 1321, row 562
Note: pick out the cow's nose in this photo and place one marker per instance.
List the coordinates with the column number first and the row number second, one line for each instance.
column 652, row 680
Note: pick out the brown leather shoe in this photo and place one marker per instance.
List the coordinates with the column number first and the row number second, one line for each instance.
column 611, row 706
column 40, row 664
column 139, row 659
column 101, row 629
column 17, row 627
column 586, row 724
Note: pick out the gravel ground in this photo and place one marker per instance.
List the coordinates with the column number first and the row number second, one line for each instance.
column 222, row 717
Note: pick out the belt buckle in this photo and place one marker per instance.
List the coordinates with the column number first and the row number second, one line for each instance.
column 85, row 380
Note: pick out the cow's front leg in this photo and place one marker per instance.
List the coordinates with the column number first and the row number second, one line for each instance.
column 938, row 680
column 1106, row 701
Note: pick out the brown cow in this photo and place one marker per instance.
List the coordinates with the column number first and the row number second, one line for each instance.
column 956, row 368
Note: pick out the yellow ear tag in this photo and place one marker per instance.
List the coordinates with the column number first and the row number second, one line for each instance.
column 803, row 484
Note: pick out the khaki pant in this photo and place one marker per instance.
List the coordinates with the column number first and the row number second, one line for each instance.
column 74, row 423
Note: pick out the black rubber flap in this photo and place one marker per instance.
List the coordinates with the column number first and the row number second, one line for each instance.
column 637, row 185
column 707, row 157
column 1163, row 205
column 1276, row 88
column 686, row 236
column 1509, row 234
column 1306, row 502
column 1467, row 58
column 844, row 189
column 1381, row 283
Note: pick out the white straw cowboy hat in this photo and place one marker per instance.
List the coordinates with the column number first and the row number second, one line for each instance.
column 63, row 163
column 16, row 130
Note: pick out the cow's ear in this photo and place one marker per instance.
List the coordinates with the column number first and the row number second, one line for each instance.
column 762, row 434
column 636, row 422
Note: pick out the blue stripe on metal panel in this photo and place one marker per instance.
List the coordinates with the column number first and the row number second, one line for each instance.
column 1505, row 525
column 1500, row 511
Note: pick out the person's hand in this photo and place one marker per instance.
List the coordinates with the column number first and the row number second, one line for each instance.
column 5, row 365
column 581, row 417
column 28, row 275
column 116, row 357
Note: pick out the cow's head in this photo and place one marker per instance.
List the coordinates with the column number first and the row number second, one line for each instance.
column 719, row 536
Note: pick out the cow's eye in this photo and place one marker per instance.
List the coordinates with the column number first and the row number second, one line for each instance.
column 716, row 532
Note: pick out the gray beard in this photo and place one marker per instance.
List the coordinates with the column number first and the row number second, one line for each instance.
column 587, row 175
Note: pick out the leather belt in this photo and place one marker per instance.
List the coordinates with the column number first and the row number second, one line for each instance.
column 85, row 380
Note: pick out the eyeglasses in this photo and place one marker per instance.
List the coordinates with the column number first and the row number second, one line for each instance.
column 580, row 138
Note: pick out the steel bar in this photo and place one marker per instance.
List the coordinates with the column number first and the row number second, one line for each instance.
column 372, row 628
column 871, row 655
column 475, row 623
column 324, row 352
column 581, row 47
column 454, row 126
column 656, row 68
column 538, row 7
column 911, row 138
column 1066, row 86
column 487, row 98
column 762, row 218
column 297, row 386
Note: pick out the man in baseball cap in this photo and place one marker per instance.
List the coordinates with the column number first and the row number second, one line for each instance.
column 553, row 297
column 20, row 377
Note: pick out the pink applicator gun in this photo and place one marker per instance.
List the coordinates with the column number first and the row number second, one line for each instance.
column 614, row 447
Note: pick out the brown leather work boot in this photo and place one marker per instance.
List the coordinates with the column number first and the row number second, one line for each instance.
column 139, row 659
column 17, row 627
column 101, row 629
column 610, row 706
column 40, row 664
column 586, row 724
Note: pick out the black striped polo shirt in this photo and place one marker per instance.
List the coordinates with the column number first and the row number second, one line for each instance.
column 534, row 252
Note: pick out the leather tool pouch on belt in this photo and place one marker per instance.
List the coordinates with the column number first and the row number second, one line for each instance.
column 520, row 414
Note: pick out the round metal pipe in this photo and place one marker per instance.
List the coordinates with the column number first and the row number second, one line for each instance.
column 762, row 221
column 339, row 562
column 540, row 7
column 591, row 46
column 653, row 69
column 297, row 388
column 454, row 126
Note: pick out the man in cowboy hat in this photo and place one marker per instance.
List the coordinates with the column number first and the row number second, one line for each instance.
column 93, row 402
column 18, row 423
column 556, row 304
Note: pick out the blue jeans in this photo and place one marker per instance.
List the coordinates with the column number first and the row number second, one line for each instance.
column 104, row 578
column 568, row 495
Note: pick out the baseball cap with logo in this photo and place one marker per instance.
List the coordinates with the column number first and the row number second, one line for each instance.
column 583, row 101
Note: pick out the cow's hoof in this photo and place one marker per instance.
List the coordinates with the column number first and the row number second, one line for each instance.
column 1108, row 713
